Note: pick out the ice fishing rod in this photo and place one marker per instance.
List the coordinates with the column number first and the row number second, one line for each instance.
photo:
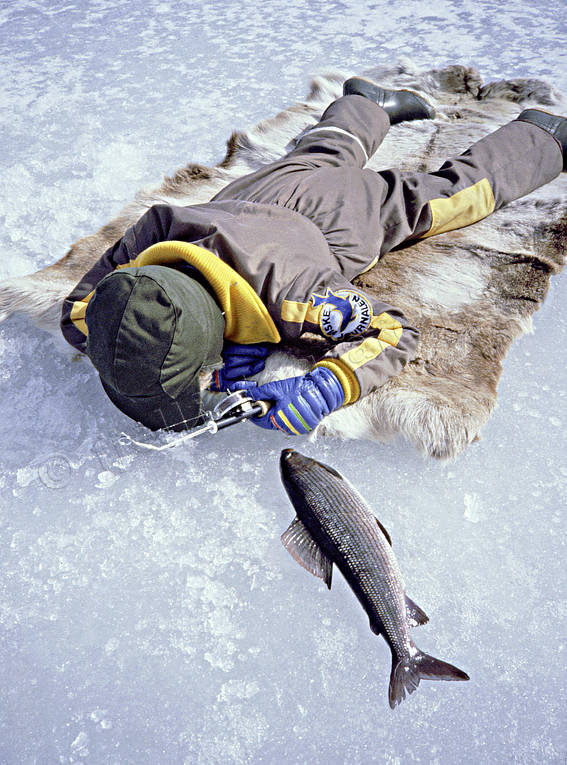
column 236, row 407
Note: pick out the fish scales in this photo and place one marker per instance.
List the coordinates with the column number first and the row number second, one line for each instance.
column 334, row 525
column 362, row 551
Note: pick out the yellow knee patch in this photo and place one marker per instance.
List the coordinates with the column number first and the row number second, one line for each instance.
column 463, row 208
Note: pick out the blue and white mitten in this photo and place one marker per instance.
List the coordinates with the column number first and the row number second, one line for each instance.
column 298, row 403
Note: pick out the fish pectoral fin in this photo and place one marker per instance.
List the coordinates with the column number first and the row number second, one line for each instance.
column 385, row 532
column 299, row 543
column 415, row 614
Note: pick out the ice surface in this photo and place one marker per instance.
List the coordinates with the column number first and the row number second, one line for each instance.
column 148, row 612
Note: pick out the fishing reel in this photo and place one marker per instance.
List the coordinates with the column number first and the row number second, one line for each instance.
column 236, row 407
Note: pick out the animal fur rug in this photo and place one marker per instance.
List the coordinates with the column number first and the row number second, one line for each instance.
column 470, row 292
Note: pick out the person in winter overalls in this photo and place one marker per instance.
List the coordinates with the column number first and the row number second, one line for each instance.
column 215, row 286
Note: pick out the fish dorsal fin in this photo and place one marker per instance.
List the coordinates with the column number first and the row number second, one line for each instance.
column 415, row 614
column 383, row 530
column 299, row 543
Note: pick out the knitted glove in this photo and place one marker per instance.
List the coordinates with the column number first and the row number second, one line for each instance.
column 239, row 361
column 298, row 403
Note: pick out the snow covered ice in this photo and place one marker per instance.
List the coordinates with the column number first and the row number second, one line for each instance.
column 148, row 612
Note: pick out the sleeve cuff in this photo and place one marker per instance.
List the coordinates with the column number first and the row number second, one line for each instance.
column 345, row 376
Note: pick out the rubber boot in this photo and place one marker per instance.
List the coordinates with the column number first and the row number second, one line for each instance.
column 399, row 105
column 552, row 123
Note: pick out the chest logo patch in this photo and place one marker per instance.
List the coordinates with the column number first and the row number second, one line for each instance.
column 344, row 312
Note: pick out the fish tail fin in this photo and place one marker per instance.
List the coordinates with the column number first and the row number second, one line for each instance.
column 408, row 671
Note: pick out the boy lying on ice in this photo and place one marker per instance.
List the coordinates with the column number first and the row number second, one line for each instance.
column 214, row 287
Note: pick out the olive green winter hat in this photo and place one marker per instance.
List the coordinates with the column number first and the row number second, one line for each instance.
column 150, row 332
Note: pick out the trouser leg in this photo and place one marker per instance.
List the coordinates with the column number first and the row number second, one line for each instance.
column 349, row 132
column 503, row 166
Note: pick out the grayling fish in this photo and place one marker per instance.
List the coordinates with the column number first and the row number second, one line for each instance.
column 335, row 525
